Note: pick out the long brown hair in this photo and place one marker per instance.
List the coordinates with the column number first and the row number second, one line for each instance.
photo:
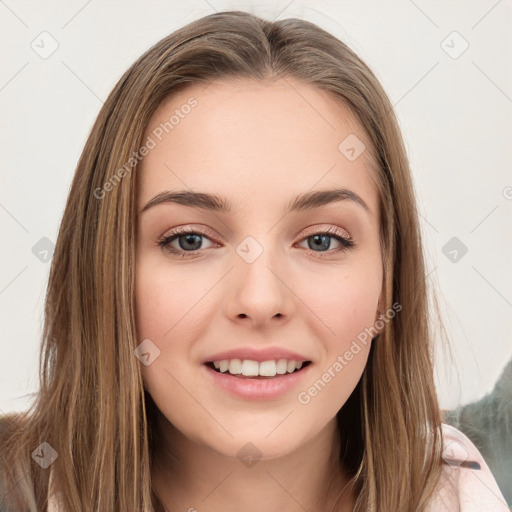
column 92, row 407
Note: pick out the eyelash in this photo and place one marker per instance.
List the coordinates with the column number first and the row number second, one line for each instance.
column 346, row 243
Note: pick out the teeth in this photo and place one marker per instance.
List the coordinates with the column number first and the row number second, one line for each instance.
column 235, row 367
column 281, row 366
column 268, row 368
column 250, row 368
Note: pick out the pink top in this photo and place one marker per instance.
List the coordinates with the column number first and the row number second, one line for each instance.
column 462, row 488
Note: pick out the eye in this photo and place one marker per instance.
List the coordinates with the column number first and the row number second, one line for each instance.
column 189, row 241
column 321, row 241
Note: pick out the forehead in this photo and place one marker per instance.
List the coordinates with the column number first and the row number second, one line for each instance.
column 262, row 137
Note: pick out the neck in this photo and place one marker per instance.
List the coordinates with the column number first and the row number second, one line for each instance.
column 190, row 476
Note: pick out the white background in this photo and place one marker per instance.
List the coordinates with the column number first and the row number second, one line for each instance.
column 455, row 115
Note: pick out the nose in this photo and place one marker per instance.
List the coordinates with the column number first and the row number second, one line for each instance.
column 260, row 291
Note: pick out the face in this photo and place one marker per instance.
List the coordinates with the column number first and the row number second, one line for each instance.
column 256, row 280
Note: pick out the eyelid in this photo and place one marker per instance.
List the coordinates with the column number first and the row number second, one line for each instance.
column 334, row 230
column 203, row 230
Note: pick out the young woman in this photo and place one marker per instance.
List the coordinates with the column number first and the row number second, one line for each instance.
column 236, row 314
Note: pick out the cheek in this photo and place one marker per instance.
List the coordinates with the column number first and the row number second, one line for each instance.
column 350, row 313
column 345, row 302
column 347, row 307
column 169, row 311
column 159, row 308
column 166, row 301
column 353, row 310
column 347, row 312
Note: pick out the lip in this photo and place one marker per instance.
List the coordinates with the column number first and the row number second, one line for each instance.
column 259, row 355
column 256, row 388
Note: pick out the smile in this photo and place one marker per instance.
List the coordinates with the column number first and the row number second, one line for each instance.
column 251, row 381
column 263, row 369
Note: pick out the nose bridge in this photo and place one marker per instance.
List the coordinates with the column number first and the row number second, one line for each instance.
column 258, row 254
column 259, row 287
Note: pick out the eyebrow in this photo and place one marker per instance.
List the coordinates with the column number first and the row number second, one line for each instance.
column 303, row 202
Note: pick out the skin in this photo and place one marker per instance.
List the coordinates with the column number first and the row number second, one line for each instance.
column 255, row 144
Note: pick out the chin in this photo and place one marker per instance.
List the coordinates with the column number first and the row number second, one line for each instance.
column 256, row 444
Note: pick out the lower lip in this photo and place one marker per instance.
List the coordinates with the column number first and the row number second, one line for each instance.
column 257, row 389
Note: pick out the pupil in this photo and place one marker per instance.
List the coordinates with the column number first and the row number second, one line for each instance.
column 319, row 241
column 190, row 239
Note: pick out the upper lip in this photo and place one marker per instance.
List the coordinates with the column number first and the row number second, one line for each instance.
column 259, row 355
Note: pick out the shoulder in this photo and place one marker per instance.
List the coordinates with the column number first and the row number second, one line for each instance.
column 466, row 482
